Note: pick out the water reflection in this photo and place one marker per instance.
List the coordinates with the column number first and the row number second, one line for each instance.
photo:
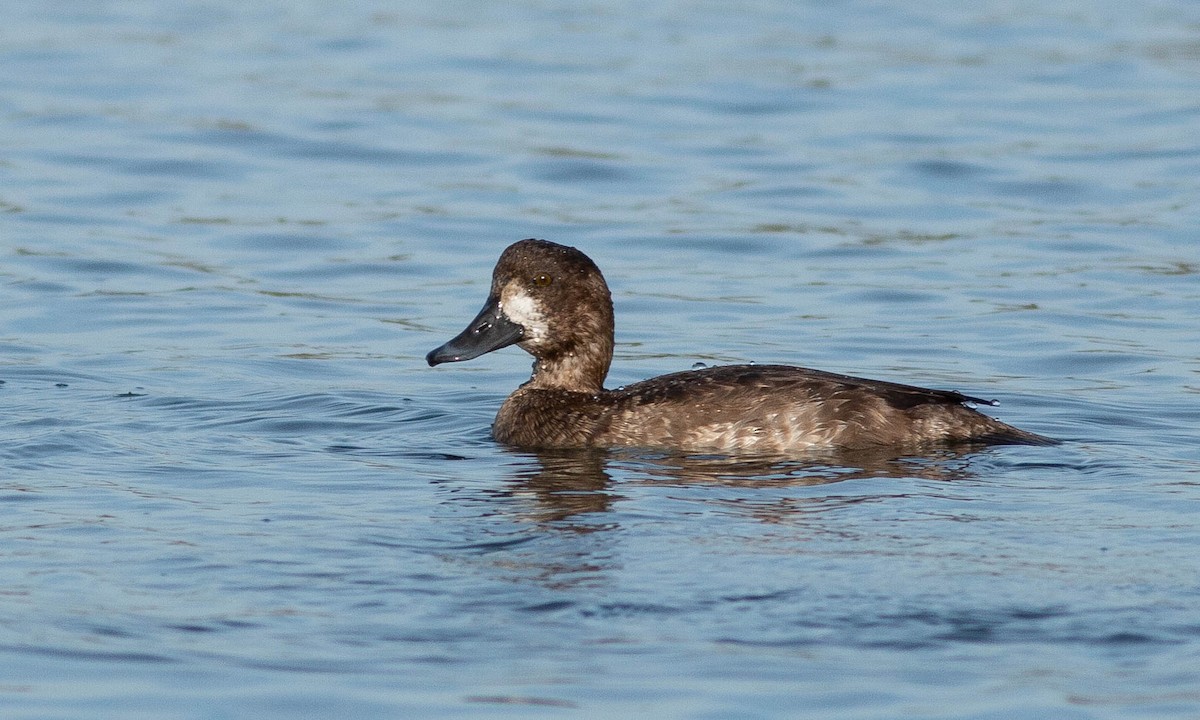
column 819, row 468
column 568, row 483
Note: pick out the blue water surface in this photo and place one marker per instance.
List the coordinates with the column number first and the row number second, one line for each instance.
column 232, row 487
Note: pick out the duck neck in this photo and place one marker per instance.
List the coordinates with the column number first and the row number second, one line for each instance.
column 577, row 370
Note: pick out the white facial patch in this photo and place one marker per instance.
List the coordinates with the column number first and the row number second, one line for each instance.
column 522, row 309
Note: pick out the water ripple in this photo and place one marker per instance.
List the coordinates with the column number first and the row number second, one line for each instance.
column 234, row 230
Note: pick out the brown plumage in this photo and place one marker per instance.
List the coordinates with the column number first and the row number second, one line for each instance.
column 552, row 301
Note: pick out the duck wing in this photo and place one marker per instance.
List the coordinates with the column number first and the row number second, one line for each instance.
column 788, row 378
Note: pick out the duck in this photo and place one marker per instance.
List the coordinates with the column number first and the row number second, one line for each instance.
column 552, row 301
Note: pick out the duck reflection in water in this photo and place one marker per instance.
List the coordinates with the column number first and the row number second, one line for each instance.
column 567, row 484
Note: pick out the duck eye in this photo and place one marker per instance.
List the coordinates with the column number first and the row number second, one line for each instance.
column 542, row 280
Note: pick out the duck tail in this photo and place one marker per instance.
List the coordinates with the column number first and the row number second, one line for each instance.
column 1004, row 434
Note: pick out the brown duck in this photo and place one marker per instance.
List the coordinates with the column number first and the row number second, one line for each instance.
column 552, row 301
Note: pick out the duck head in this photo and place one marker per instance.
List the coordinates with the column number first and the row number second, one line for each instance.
column 552, row 302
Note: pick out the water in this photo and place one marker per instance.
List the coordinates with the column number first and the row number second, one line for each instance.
column 232, row 488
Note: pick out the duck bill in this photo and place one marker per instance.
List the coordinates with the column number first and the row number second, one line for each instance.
column 490, row 330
